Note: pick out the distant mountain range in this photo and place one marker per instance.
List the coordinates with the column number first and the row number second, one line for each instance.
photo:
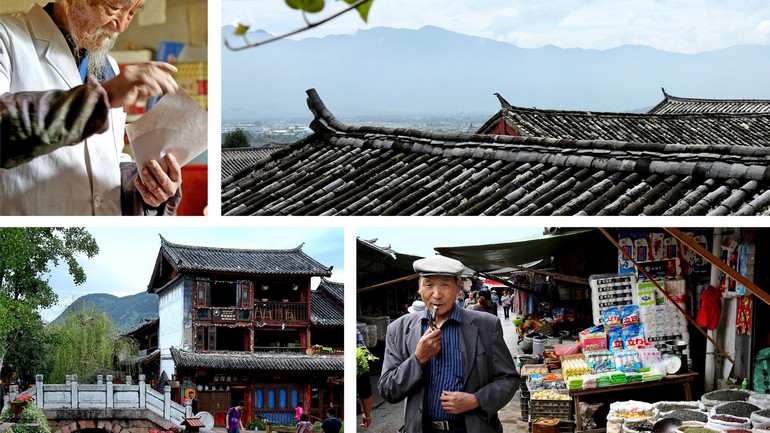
column 432, row 71
column 125, row 312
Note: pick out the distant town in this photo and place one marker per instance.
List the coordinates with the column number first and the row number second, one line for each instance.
column 262, row 132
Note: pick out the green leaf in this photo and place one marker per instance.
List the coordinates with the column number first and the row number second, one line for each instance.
column 241, row 30
column 363, row 9
column 295, row 4
column 311, row 6
column 314, row 6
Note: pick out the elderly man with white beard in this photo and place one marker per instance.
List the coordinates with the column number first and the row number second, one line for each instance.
column 62, row 119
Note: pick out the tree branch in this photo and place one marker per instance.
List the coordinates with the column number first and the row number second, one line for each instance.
column 300, row 30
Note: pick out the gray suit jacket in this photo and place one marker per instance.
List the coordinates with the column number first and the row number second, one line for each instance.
column 489, row 371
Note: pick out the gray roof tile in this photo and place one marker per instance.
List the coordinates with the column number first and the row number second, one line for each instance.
column 257, row 361
column 327, row 304
column 677, row 105
column 275, row 262
column 425, row 173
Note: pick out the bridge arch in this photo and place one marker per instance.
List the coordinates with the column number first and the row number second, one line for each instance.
column 92, row 426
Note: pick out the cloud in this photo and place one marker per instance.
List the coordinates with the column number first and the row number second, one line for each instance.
column 673, row 25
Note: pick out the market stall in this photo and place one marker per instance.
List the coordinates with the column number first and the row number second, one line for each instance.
column 653, row 338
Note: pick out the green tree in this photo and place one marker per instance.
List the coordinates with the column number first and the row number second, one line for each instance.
column 84, row 344
column 26, row 256
column 28, row 355
column 236, row 138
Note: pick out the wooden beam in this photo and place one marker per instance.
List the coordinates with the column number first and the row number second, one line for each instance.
column 660, row 289
column 555, row 275
column 735, row 275
column 387, row 283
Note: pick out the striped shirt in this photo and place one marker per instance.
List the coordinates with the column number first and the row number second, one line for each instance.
column 445, row 370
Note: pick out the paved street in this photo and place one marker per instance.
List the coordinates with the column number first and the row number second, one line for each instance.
column 387, row 418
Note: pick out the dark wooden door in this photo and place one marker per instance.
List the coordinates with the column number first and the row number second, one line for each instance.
column 216, row 403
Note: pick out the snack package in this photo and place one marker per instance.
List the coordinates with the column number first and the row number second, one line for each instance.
column 629, row 314
column 611, row 316
column 558, row 314
column 633, row 335
column 615, row 336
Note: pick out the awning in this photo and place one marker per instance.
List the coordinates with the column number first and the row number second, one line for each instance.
column 489, row 257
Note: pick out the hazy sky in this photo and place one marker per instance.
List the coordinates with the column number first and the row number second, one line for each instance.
column 127, row 255
column 420, row 241
column 686, row 26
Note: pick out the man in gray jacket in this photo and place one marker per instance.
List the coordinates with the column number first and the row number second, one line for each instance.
column 450, row 364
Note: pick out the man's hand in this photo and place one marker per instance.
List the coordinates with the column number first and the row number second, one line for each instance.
column 140, row 81
column 457, row 402
column 428, row 346
column 158, row 185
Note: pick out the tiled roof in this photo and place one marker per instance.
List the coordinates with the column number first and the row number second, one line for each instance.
column 257, row 361
column 676, row 105
column 725, row 129
column 273, row 262
column 152, row 356
column 372, row 244
column 363, row 170
column 334, row 289
column 240, row 158
column 326, row 307
column 146, row 323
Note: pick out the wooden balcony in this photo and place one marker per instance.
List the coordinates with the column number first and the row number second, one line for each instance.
column 281, row 312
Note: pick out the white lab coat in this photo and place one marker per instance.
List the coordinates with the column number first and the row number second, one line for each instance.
column 83, row 179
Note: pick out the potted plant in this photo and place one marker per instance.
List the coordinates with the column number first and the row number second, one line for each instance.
column 19, row 403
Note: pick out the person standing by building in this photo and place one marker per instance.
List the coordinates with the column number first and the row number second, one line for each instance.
column 453, row 369
column 506, row 301
column 304, row 425
column 363, row 384
column 298, row 410
column 234, row 419
column 193, row 402
column 331, row 424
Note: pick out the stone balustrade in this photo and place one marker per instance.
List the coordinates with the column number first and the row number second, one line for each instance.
column 105, row 396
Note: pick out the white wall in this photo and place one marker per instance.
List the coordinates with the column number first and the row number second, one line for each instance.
column 171, row 326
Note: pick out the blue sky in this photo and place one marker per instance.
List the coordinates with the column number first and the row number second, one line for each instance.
column 127, row 255
column 686, row 26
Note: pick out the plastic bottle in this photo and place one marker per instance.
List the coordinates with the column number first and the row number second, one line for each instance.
column 745, row 384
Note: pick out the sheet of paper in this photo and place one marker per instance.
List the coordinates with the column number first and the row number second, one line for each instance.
column 154, row 13
column 176, row 125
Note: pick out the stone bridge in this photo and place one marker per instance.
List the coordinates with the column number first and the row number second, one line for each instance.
column 105, row 407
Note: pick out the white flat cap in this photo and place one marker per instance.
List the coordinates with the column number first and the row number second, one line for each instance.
column 438, row 265
column 416, row 306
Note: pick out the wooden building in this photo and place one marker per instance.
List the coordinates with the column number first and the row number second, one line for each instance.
column 245, row 325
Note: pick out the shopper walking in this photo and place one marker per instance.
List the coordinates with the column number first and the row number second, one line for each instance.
column 507, row 302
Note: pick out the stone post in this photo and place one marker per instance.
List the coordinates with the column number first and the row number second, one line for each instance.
column 13, row 392
column 68, row 379
column 99, row 379
column 142, row 392
column 110, row 393
column 129, row 381
column 167, row 402
column 39, row 396
column 74, row 388
column 188, row 408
